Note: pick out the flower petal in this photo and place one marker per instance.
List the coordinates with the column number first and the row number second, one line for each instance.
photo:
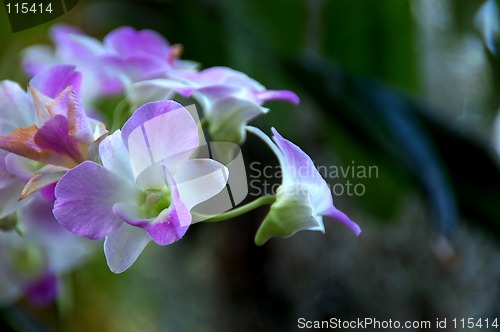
column 168, row 227
column 228, row 118
column 54, row 136
column 53, row 80
column 278, row 95
column 127, row 41
column 114, row 155
column 200, row 179
column 156, row 89
column 85, row 196
column 159, row 131
column 19, row 167
column 46, row 176
column 123, row 246
column 21, row 142
column 16, row 109
column 299, row 168
column 343, row 218
column 36, row 58
column 68, row 105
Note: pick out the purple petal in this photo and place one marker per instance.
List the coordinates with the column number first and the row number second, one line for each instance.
column 54, row 135
column 278, row 95
column 59, row 32
column 343, row 218
column 158, row 131
column 123, row 246
column 49, row 193
column 127, row 41
column 135, row 68
column 85, row 196
column 299, row 167
column 44, row 291
column 53, row 80
column 77, row 48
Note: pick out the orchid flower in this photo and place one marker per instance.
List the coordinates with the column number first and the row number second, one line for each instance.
column 145, row 188
column 123, row 57
column 32, row 263
column 303, row 197
column 229, row 98
column 48, row 125
column 142, row 55
column 73, row 47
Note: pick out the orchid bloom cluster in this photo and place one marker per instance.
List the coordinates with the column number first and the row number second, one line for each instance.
column 65, row 175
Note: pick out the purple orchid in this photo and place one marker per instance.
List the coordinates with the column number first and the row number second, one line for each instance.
column 145, row 188
column 303, row 197
column 73, row 47
column 229, row 98
column 32, row 263
column 123, row 57
column 142, row 55
column 46, row 125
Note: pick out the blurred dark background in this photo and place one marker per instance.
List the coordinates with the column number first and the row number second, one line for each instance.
column 406, row 86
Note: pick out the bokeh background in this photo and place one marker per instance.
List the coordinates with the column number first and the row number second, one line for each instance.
column 408, row 86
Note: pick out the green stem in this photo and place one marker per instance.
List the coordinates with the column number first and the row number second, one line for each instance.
column 118, row 114
column 270, row 199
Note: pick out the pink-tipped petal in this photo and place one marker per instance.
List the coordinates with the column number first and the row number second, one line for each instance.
column 278, row 95
column 343, row 218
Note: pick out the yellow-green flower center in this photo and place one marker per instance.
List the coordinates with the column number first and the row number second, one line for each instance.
column 154, row 201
